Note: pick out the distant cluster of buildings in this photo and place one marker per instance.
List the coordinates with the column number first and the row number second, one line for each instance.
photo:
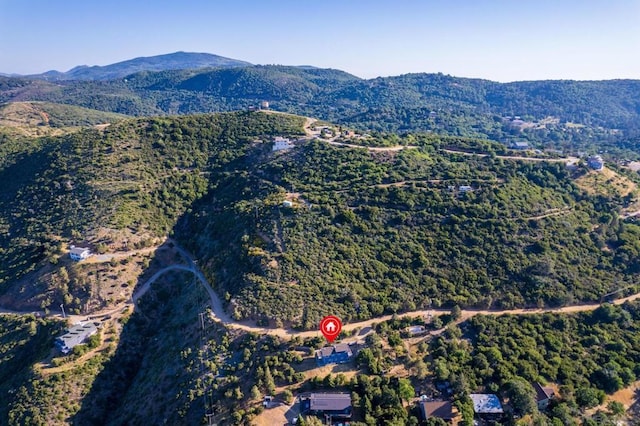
column 264, row 105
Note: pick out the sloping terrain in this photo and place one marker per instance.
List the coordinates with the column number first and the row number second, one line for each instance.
column 568, row 115
column 419, row 222
column 46, row 119
column 139, row 176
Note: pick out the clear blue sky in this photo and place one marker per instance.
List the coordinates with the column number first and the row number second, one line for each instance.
column 495, row 39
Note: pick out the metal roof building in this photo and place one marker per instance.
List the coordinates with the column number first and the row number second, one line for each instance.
column 75, row 336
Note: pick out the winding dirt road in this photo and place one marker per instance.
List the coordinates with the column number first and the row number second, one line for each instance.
column 219, row 314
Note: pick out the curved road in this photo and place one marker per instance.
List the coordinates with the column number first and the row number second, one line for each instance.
column 219, row 314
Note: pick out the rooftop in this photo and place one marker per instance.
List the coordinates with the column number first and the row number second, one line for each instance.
column 542, row 393
column 330, row 350
column 78, row 250
column 485, row 403
column 76, row 335
column 441, row 409
column 329, row 401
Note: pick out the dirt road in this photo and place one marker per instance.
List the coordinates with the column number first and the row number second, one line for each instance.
column 218, row 312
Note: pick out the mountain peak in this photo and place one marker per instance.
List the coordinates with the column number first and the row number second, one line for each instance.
column 165, row 62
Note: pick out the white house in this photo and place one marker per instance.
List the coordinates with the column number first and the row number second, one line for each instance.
column 75, row 336
column 280, row 143
column 79, row 253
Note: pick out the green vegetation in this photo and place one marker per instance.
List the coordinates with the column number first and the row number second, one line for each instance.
column 378, row 233
column 24, row 340
column 138, row 174
column 588, row 355
column 568, row 115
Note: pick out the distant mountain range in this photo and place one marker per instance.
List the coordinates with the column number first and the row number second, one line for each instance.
column 171, row 61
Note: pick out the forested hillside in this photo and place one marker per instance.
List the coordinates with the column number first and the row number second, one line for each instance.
column 420, row 221
column 369, row 232
column 137, row 175
column 570, row 115
column 374, row 233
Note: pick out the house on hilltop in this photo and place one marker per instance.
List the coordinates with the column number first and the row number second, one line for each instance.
column 75, row 336
column 79, row 253
column 523, row 146
column 336, row 354
column 280, row 143
column 332, row 406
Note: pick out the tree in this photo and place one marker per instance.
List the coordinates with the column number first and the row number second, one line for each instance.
column 456, row 312
column 269, row 383
column 522, row 397
column 589, row 397
column 255, row 392
column 405, row 389
column 616, row 408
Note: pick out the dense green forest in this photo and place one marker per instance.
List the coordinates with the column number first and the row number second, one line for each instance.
column 369, row 232
column 568, row 115
column 375, row 233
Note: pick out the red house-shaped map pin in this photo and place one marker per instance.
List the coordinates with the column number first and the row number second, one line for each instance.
column 330, row 327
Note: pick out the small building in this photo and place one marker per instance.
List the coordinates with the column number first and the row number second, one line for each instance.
column 595, row 162
column 416, row 330
column 336, row 354
column 79, row 253
column 519, row 145
column 465, row 188
column 544, row 395
column 267, row 401
column 264, row 105
column 332, row 406
column 288, row 204
column 486, row 406
column 280, row 143
column 437, row 409
column 75, row 336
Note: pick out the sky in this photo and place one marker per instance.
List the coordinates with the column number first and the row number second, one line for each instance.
column 493, row 39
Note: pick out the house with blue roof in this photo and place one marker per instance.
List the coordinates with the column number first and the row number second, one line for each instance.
column 336, row 354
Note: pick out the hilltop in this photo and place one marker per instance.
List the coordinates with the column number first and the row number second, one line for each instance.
column 568, row 115
column 171, row 61
column 364, row 220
